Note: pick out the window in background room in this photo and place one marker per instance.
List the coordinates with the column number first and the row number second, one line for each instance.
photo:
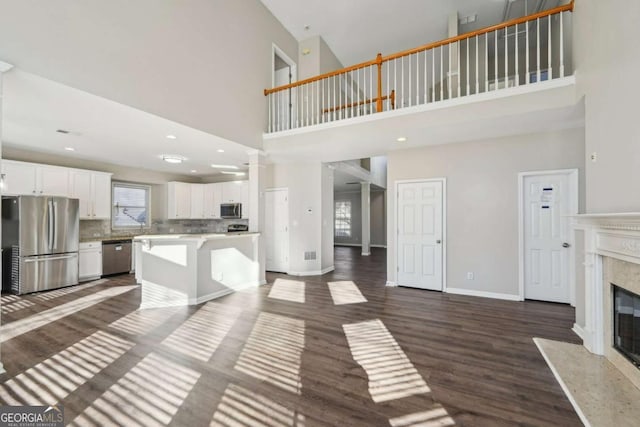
column 130, row 205
column 343, row 218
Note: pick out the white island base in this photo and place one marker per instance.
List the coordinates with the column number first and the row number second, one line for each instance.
column 176, row 270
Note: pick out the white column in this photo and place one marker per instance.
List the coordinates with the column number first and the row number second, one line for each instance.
column 366, row 218
column 4, row 67
column 257, row 182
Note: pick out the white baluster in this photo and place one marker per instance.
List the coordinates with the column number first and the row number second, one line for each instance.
column 527, row 79
column 549, row 68
column 538, row 47
column 371, row 96
column 388, row 91
column 495, row 67
column 486, row 62
column 402, row 78
column 353, row 96
column 426, row 78
column 517, row 60
column 458, row 77
column 269, row 107
column 433, row 75
column 506, row 57
column 561, row 45
column 395, row 77
column 449, row 72
column 468, row 86
column 477, row 60
column 441, row 72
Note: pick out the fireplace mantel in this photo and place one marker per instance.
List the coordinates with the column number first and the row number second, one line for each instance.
column 615, row 236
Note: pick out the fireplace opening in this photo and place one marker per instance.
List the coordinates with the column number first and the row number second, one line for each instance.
column 626, row 324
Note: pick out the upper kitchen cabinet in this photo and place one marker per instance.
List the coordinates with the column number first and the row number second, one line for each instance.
column 232, row 191
column 32, row 179
column 93, row 189
column 212, row 200
column 178, row 200
column 197, row 201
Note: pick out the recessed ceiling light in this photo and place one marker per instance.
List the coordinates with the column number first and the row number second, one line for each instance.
column 233, row 173
column 193, row 171
column 173, row 159
column 224, row 166
column 402, row 139
column 69, row 148
column 221, row 151
column 172, row 137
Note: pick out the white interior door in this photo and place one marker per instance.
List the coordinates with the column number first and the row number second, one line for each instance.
column 547, row 200
column 283, row 77
column 420, row 234
column 276, row 230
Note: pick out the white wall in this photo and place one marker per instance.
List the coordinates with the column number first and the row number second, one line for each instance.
column 482, row 205
column 607, row 65
column 319, row 60
column 327, row 217
column 200, row 63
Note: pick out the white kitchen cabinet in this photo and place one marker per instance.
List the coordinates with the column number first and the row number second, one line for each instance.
column 178, row 200
column 22, row 178
column 212, row 198
column 19, row 178
column 90, row 261
column 232, row 192
column 93, row 190
column 197, row 201
column 52, row 181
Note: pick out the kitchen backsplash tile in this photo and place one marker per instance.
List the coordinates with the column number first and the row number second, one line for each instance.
column 102, row 229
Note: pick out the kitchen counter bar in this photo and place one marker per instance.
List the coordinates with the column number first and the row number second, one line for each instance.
column 187, row 269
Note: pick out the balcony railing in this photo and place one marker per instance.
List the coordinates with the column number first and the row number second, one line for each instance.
column 522, row 51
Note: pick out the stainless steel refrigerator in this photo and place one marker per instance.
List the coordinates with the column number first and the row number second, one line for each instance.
column 40, row 239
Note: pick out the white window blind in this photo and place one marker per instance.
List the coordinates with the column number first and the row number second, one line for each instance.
column 130, row 205
column 343, row 219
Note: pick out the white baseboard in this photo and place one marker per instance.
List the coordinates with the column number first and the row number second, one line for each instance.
column 579, row 331
column 482, row 294
column 379, row 246
column 358, row 245
column 365, row 253
column 311, row 273
column 391, row 284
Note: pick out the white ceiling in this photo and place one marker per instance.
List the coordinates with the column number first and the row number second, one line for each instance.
column 103, row 130
column 357, row 30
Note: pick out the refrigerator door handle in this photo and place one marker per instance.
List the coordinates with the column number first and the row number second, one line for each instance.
column 28, row 260
column 55, row 225
column 50, row 225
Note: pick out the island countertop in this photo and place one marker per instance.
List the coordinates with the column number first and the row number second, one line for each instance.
column 208, row 236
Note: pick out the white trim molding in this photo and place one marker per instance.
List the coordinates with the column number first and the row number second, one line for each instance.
column 391, row 284
column 483, row 294
column 574, row 203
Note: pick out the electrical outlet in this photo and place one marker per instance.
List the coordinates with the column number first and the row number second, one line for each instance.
column 96, row 234
column 470, row 275
column 594, row 157
column 171, row 230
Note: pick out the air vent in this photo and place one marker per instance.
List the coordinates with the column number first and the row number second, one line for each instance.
column 309, row 256
column 63, row 131
column 352, row 183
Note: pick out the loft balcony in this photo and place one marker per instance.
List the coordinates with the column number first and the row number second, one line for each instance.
column 522, row 58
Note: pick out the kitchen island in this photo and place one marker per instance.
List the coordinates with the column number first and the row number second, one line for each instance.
column 187, row 269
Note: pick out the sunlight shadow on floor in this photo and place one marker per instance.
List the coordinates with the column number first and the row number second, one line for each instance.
column 240, row 407
column 273, row 352
column 53, row 379
column 345, row 292
column 202, row 333
column 16, row 305
column 436, row 417
column 391, row 373
column 141, row 322
column 49, row 295
column 288, row 290
column 150, row 394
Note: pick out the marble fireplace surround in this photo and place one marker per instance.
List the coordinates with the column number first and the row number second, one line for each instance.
column 612, row 256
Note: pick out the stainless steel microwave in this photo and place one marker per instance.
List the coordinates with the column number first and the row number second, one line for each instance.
column 231, row 210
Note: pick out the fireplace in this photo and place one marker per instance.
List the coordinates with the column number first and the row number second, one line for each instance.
column 626, row 324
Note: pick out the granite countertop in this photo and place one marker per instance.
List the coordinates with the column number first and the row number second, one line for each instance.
column 204, row 236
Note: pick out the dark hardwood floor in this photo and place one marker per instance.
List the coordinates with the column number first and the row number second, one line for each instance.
column 296, row 353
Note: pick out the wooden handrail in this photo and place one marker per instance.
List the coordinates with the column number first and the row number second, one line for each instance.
column 392, row 97
column 380, row 59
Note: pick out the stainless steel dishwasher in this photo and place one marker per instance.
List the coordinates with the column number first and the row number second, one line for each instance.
column 116, row 257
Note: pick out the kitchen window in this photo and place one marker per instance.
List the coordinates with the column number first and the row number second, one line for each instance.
column 343, row 218
column 131, row 205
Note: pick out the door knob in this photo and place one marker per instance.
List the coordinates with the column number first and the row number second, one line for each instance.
column 438, row 241
column 566, row 245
